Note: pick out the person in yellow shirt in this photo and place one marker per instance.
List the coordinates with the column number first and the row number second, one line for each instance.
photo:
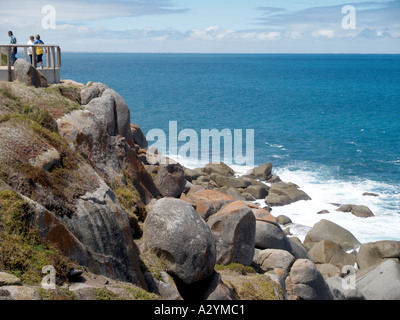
column 39, row 51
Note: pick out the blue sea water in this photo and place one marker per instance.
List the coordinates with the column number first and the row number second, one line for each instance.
column 329, row 123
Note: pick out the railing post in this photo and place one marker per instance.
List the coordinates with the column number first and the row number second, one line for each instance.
column 58, row 57
column 9, row 63
column 47, row 56
column 34, row 56
column 53, row 58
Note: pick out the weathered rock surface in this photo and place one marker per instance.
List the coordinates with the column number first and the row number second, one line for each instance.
column 206, row 202
column 233, row 228
column 102, row 226
column 92, row 91
column 306, row 283
column 374, row 253
column 357, row 210
column 343, row 292
column 262, row 172
column 381, row 283
column 327, row 251
column 270, row 236
column 170, row 180
column 138, row 136
column 109, row 154
column 327, row 230
column 258, row 191
column 7, row 279
column 271, row 259
column 219, row 168
column 227, row 181
column 21, row 293
column 282, row 193
column 176, row 232
column 164, row 287
column 27, row 74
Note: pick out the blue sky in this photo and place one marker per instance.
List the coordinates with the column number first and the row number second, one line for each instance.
column 238, row 26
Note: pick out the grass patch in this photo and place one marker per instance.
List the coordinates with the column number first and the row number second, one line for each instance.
column 141, row 294
column 254, row 287
column 105, row 294
column 3, row 59
column 21, row 251
column 55, row 189
column 235, row 267
column 58, row 294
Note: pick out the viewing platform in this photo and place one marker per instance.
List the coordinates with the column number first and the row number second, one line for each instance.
column 51, row 61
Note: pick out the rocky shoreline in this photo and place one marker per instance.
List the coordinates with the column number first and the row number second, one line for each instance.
column 117, row 223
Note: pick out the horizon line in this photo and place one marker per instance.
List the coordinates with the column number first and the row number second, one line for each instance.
column 248, row 53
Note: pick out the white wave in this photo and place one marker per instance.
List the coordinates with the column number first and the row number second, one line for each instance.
column 326, row 191
column 278, row 146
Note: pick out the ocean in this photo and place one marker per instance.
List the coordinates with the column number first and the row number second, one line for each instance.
column 329, row 123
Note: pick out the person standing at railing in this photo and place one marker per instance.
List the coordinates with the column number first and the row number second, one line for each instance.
column 39, row 51
column 31, row 41
column 13, row 51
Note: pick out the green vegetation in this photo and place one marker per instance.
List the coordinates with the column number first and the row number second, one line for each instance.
column 236, row 267
column 105, row 294
column 58, row 294
column 22, row 252
column 42, row 105
column 254, row 287
column 129, row 199
column 141, row 294
column 3, row 59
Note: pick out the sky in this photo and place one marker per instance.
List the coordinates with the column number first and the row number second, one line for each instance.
column 207, row 26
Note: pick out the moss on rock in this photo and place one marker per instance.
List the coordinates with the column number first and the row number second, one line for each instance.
column 22, row 252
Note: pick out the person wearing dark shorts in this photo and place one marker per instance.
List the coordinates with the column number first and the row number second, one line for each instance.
column 39, row 51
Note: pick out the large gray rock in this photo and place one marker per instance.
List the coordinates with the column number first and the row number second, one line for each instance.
column 21, row 293
column 219, row 168
column 306, row 283
column 138, row 136
column 258, row 191
column 26, row 73
column 343, row 292
column 270, row 236
column 271, row 259
column 228, row 181
column 165, row 286
column 381, row 283
column 102, row 227
column 113, row 111
column 7, row 279
column 110, row 155
column 170, row 180
column 357, row 210
column 282, row 193
column 327, row 230
column 176, row 232
column 327, row 251
column 262, row 172
column 373, row 253
column 92, row 91
column 233, row 228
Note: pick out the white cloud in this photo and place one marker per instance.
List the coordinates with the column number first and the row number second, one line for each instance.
column 324, row 33
column 216, row 33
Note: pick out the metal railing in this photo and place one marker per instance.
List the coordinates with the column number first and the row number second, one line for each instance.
column 53, row 56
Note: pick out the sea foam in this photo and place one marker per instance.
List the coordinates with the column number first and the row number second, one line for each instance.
column 327, row 192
